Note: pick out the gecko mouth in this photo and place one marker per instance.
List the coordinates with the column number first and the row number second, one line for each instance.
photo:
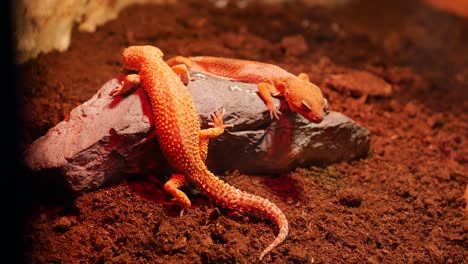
column 316, row 119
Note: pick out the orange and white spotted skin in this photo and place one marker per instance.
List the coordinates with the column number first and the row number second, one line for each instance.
column 184, row 143
column 301, row 95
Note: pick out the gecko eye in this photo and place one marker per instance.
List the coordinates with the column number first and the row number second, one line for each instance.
column 306, row 106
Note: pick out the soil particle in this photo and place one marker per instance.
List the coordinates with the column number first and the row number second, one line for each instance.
column 63, row 224
column 350, row 197
column 294, row 45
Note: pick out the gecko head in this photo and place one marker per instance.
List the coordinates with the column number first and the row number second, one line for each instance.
column 134, row 56
column 305, row 98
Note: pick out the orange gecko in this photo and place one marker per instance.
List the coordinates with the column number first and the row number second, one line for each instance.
column 182, row 141
column 301, row 95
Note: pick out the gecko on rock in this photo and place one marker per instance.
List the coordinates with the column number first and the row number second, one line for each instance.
column 182, row 141
column 301, row 95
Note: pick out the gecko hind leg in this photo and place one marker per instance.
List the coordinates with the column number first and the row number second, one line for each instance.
column 216, row 130
column 172, row 187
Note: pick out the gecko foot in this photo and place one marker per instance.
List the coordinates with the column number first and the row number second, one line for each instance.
column 217, row 118
column 174, row 202
column 274, row 113
column 126, row 84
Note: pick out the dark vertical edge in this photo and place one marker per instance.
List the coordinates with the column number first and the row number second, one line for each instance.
column 12, row 178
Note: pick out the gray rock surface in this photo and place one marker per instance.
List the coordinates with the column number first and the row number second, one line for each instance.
column 106, row 139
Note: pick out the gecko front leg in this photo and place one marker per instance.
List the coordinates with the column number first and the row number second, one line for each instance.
column 182, row 71
column 177, row 60
column 266, row 91
column 126, row 84
column 172, row 187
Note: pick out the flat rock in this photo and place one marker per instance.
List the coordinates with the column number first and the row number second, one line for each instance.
column 106, row 139
column 359, row 83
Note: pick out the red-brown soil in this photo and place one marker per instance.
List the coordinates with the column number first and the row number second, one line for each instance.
column 403, row 203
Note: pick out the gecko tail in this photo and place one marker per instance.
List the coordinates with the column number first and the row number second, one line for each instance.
column 228, row 196
column 282, row 234
column 252, row 204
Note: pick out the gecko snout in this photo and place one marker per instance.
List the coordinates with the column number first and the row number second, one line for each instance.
column 316, row 119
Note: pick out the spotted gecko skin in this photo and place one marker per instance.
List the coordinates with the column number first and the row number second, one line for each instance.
column 184, row 143
column 301, row 95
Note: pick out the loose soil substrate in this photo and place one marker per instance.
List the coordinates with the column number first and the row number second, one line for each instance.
column 401, row 204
